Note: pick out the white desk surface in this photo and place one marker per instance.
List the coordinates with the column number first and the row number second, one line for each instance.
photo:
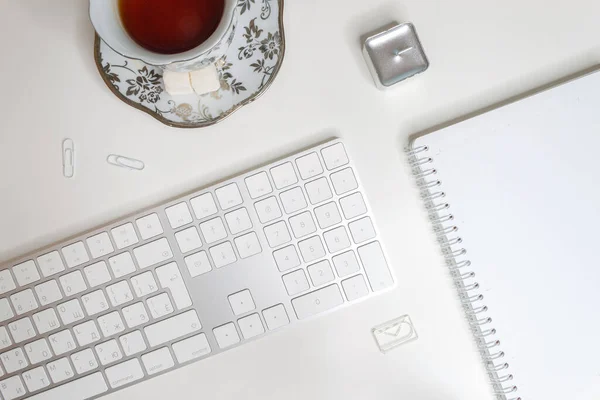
column 480, row 53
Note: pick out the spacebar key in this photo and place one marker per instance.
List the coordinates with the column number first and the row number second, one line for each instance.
column 81, row 389
column 318, row 301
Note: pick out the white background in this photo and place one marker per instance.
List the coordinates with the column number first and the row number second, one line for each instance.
column 480, row 53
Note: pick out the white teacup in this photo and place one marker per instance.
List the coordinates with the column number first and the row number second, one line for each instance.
column 106, row 19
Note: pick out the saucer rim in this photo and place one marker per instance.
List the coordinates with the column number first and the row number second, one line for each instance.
column 173, row 124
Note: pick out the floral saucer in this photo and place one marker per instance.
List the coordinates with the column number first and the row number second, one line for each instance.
column 246, row 71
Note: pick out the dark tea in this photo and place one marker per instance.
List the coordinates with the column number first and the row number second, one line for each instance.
column 170, row 26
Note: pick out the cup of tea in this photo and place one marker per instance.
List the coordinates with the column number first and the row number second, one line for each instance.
column 178, row 35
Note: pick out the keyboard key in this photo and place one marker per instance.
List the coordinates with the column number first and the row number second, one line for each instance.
column 170, row 277
column 121, row 265
column 75, row 254
column 191, row 348
column 284, row 175
column 149, row 226
column 84, row 361
column 312, row 249
column 82, row 388
column 320, row 273
column 277, row 234
column 295, row 282
column 46, row 321
column 267, row 210
column 26, row 273
column 198, row 264
column 286, row 258
column 204, row 205
column 317, row 302
column 100, row 245
column 213, row 230
column 318, row 191
column 48, row 292
column 362, row 230
column 135, row 315
column 251, row 326
column 238, row 221
column 309, row 166
column 97, row 274
column 60, row 370
column 6, row 282
column 160, row 305
column 337, row 239
column 86, row 333
column 50, row 264
column 108, row 352
column 6, row 312
column 111, row 324
column 132, row 343
column 12, row 388
column 20, row 330
column 124, row 236
column 303, row 225
column 355, row 287
column 14, row 360
column 24, row 301
column 241, row 302
column 353, row 205
column 36, row 379
column 248, row 245
column 188, row 239
column 375, row 266
column 226, row 335
column 346, row 264
column 153, row 253
column 276, row 317
column 172, row 328
column 95, row 302
column 223, row 254
column 258, row 185
column 119, row 293
column 4, row 338
column 144, row 284
column 61, row 342
column 124, row 373
column 157, row 361
column 70, row 311
column 73, row 283
column 38, row 351
column 344, row 181
column 229, row 196
column 293, row 200
column 335, row 156
column 178, row 215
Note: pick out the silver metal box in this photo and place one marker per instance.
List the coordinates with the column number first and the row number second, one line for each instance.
column 394, row 55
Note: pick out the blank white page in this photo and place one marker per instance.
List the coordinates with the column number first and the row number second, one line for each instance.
column 523, row 182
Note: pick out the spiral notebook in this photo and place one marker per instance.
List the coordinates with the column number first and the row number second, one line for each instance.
column 514, row 197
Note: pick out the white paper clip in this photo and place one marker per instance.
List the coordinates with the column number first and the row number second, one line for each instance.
column 68, row 158
column 125, row 162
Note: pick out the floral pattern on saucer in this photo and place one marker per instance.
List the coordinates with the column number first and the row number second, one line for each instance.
column 246, row 71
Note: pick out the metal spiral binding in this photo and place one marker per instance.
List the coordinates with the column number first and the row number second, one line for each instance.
column 454, row 254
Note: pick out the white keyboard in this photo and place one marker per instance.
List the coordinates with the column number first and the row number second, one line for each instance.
column 189, row 279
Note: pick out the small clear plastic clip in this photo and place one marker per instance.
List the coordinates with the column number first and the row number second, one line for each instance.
column 68, row 158
column 125, row 162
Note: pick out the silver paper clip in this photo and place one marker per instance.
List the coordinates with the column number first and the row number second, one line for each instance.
column 125, row 162
column 68, row 158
